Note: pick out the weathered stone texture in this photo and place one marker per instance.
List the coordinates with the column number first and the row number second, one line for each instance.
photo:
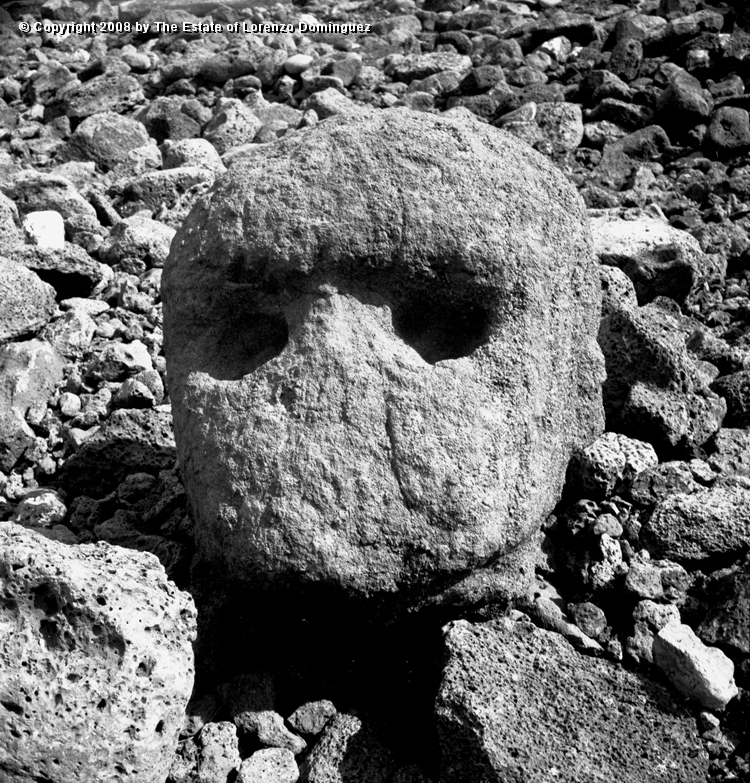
column 380, row 358
column 96, row 662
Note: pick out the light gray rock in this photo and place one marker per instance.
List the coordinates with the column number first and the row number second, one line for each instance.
column 34, row 191
column 218, row 754
column 518, row 703
column 655, row 390
column 29, row 373
column 659, row 259
column 346, row 751
column 269, row 765
column 138, row 237
column 376, row 423
column 42, row 508
column 116, row 361
column 97, row 662
column 700, row 672
column 611, row 463
column 267, row 727
column 106, row 139
column 657, row 580
column 232, row 125
column 192, row 152
column 71, row 334
column 45, row 228
column 310, row 719
column 330, row 103
column 700, row 525
column 27, row 302
column 562, row 125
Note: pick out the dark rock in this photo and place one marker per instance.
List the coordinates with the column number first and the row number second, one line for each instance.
column 129, row 440
column 654, row 390
column 166, row 118
column 514, row 697
column 735, row 389
column 71, row 271
column 34, row 191
column 729, row 132
column 727, row 622
column 626, row 59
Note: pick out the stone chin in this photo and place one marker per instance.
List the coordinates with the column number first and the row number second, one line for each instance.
column 382, row 416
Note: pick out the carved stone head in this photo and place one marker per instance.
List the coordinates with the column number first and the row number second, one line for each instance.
column 381, row 344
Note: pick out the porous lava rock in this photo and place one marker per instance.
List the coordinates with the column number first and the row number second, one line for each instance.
column 96, row 662
column 28, row 302
column 380, row 358
column 518, row 703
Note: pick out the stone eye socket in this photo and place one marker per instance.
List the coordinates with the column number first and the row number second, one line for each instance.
column 439, row 330
column 247, row 342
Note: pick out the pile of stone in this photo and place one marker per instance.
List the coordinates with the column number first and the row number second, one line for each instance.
column 397, row 405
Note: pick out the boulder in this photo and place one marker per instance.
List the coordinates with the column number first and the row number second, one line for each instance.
column 347, row 750
column 97, row 662
column 33, row 191
column 655, row 390
column 700, row 672
column 659, row 259
column 28, row 303
column 138, row 237
column 369, row 390
column 232, row 125
column 700, row 525
column 130, row 440
column 29, row 373
column 106, row 139
column 610, row 464
column 518, row 703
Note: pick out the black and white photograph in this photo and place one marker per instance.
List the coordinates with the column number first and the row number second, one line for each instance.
column 374, row 391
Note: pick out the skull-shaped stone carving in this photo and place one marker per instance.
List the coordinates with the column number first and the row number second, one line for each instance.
column 381, row 342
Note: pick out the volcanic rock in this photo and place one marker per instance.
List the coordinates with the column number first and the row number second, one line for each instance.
column 518, row 703
column 97, row 663
column 374, row 338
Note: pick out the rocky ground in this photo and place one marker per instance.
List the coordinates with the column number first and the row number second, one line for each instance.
column 110, row 132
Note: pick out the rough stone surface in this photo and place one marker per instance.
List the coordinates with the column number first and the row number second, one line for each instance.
column 659, row 259
column 728, row 620
column 27, row 302
column 269, row 765
column 735, row 389
column 397, row 347
column 612, row 462
column 518, row 703
column 106, row 139
column 310, row 719
column 97, row 662
column 701, row 673
column 701, row 525
column 29, row 373
column 347, row 751
column 130, row 440
column 655, row 390
column 138, row 237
